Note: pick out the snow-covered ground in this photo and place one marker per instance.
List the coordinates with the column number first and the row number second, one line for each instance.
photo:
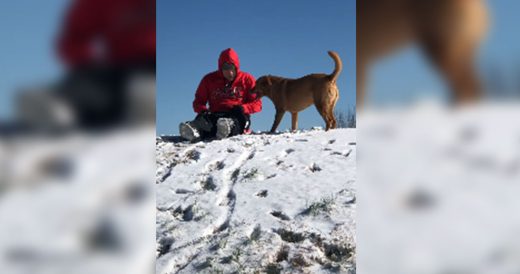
column 258, row 203
column 439, row 189
column 79, row 203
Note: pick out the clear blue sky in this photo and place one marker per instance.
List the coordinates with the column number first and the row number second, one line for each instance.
column 284, row 38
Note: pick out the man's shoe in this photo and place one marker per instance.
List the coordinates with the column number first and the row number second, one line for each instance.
column 224, row 127
column 188, row 132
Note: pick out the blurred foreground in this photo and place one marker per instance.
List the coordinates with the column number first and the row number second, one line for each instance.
column 81, row 203
column 77, row 153
column 438, row 189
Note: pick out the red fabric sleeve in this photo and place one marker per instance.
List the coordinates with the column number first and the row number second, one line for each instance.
column 201, row 97
column 252, row 104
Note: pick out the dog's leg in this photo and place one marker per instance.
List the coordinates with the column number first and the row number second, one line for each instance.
column 334, row 101
column 453, row 50
column 277, row 119
column 329, row 118
column 332, row 118
column 333, row 123
column 294, row 120
column 457, row 66
column 323, row 114
column 360, row 83
column 329, row 115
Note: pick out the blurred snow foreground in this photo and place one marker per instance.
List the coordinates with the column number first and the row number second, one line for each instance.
column 77, row 203
column 257, row 203
column 439, row 190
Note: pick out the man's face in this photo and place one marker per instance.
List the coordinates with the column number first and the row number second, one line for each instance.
column 229, row 71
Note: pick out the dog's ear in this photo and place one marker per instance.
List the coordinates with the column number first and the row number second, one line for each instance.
column 269, row 80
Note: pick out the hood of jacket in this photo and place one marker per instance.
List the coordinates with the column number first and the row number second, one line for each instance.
column 229, row 56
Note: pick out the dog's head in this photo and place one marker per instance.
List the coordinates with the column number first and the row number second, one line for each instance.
column 263, row 86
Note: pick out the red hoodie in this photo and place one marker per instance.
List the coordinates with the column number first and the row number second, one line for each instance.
column 212, row 89
column 114, row 32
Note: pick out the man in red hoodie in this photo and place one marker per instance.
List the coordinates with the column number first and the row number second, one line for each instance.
column 227, row 92
column 105, row 46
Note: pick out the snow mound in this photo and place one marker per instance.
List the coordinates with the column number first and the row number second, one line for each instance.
column 269, row 203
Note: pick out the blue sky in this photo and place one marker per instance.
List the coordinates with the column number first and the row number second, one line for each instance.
column 27, row 28
column 271, row 37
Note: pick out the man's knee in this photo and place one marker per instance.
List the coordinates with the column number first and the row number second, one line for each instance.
column 203, row 122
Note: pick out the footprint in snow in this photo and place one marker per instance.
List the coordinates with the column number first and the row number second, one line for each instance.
column 286, row 152
column 217, row 165
column 351, row 200
column 347, row 196
column 280, row 215
column 203, row 263
column 164, row 245
column 253, row 174
column 344, row 154
column 255, row 234
column 208, row 183
column 193, row 155
column 314, row 167
column 290, row 236
column 234, row 175
column 262, row 193
column 281, row 255
column 186, row 214
column 271, row 176
column 183, row 191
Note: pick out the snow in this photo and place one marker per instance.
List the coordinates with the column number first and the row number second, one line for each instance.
column 262, row 202
column 77, row 203
column 438, row 189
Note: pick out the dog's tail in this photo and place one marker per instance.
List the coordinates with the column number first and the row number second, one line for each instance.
column 338, row 66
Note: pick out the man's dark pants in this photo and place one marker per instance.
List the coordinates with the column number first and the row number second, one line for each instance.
column 206, row 122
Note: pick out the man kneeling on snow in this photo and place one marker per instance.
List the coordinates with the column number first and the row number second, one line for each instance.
column 227, row 91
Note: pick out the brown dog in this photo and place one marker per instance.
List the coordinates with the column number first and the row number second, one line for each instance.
column 448, row 31
column 295, row 95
